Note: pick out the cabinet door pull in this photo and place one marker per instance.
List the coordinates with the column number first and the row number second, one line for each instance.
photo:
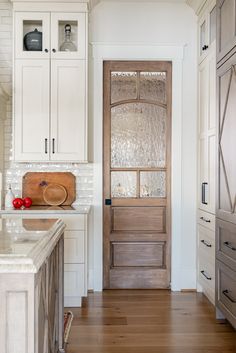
column 53, row 145
column 231, row 247
column 205, row 275
column 206, row 243
column 46, row 50
column 54, row 50
column 46, row 145
column 204, row 193
column 227, row 295
column 205, row 220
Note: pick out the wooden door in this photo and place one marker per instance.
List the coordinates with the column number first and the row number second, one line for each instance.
column 226, row 27
column 137, row 141
column 31, row 110
column 68, row 110
column 226, row 188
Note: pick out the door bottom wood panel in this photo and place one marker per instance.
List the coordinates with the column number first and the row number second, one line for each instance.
column 138, row 278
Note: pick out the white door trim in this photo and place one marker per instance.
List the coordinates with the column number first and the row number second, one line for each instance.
column 134, row 51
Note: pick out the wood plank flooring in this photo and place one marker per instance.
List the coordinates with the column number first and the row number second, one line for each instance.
column 149, row 321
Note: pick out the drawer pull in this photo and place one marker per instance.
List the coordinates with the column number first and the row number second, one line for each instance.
column 205, row 219
column 205, row 275
column 204, row 193
column 206, row 243
column 226, row 243
column 227, row 295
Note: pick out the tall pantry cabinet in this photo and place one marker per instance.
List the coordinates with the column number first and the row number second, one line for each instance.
column 206, row 150
column 50, row 84
column 226, row 161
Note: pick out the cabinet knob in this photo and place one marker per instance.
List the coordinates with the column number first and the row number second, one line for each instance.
column 54, row 50
column 46, row 50
column 205, row 47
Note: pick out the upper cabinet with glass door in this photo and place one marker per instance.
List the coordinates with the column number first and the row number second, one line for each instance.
column 54, row 35
column 32, row 35
column 207, row 30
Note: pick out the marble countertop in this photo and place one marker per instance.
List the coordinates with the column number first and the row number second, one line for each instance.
column 25, row 243
column 49, row 209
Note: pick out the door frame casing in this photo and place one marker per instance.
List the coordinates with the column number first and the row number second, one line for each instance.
column 134, row 51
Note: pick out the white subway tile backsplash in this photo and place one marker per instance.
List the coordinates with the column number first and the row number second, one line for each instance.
column 15, row 171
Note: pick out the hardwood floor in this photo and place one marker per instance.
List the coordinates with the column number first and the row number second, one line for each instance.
column 149, row 321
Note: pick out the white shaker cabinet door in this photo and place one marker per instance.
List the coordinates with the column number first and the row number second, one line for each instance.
column 31, row 110
column 68, row 110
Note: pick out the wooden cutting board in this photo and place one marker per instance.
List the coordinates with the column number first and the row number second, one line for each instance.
column 34, row 183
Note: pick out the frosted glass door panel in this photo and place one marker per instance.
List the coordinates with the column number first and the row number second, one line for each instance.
column 123, row 184
column 138, row 135
column 123, row 86
column 153, row 86
column 153, row 184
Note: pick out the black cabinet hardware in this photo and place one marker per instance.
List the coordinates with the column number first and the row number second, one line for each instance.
column 231, row 247
column 206, row 243
column 205, row 275
column 204, row 193
column 108, row 202
column 53, row 145
column 205, row 47
column 227, row 295
column 54, row 50
column 46, row 146
column 46, row 50
column 205, row 220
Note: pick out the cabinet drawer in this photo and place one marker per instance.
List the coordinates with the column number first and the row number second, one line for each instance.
column 226, row 291
column 206, row 271
column 206, row 219
column 74, row 280
column 226, row 243
column 74, row 247
column 206, row 242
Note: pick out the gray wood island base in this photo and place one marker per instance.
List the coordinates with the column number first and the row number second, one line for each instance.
column 31, row 285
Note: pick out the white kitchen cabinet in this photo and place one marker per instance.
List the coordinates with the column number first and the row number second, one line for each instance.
column 206, row 151
column 207, row 29
column 50, row 86
column 206, row 139
column 52, row 26
column 31, row 110
column 68, row 109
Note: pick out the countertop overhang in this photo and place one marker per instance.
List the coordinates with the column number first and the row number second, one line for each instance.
column 49, row 210
column 26, row 243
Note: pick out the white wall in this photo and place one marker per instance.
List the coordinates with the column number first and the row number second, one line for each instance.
column 158, row 25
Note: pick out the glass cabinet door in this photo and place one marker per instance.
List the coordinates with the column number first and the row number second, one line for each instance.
column 32, row 35
column 213, row 25
column 68, row 35
column 203, row 37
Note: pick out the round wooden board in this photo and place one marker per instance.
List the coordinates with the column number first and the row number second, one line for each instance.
column 54, row 194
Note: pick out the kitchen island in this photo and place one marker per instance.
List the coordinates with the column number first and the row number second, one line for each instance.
column 76, row 219
column 31, row 285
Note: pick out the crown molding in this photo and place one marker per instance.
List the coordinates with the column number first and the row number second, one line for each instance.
column 196, row 5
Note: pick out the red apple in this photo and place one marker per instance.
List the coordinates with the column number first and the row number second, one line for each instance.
column 18, row 203
column 27, row 202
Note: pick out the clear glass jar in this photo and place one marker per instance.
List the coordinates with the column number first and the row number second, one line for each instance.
column 68, row 45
